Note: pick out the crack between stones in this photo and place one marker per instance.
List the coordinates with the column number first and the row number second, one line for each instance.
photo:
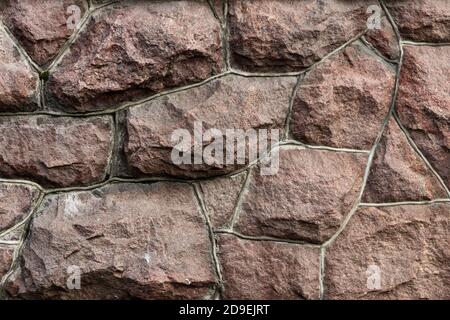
column 215, row 259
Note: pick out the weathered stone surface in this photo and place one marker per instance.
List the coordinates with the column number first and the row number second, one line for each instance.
column 306, row 199
column 16, row 203
column 129, row 241
column 6, row 258
column 230, row 102
column 407, row 245
column 398, row 173
column 343, row 102
column 283, row 35
column 422, row 20
column 268, row 270
column 384, row 40
column 423, row 103
column 40, row 27
column 18, row 81
column 136, row 48
column 55, row 151
column 221, row 196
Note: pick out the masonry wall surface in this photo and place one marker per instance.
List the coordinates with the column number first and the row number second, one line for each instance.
column 92, row 206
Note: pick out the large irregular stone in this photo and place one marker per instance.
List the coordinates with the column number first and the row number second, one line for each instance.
column 230, row 102
column 17, row 201
column 41, row 27
column 18, row 81
column 6, row 259
column 343, row 102
column 423, row 103
column 134, row 49
column 398, row 173
column 260, row 270
column 422, row 20
column 56, row 151
column 384, row 39
column 221, row 196
column 128, row 241
column 397, row 252
column 286, row 35
column 307, row 198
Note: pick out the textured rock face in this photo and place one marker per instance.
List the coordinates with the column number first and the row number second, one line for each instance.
column 18, row 82
column 406, row 247
column 41, row 27
column 231, row 102
column 268, row 270
column 221, row 196
column 16, row 202
column 398, row 173
column 307, row 199
column 343, row 102
column 128, row 241
column 136, row 48
column 423, row 103
column 6, row 258
column 384, row 40
column 76, row 150
column 422, row 20
column 291, row 35
column 133, row 149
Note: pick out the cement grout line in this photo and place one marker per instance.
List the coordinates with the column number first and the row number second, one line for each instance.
column 307, row 146
column 431, row 44
column 217, row 268
column 420, row 154
column 9, row 243
column 322, row 272
column 25, row 182
column 404, row 203
column 266, row 238
column 288, row 119
column 237, row 206
column 368, row 45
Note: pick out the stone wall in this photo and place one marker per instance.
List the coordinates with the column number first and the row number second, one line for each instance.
column 91, row 205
